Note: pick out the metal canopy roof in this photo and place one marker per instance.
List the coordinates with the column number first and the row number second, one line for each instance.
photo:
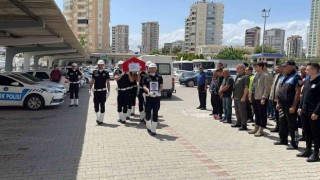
column 36, row 23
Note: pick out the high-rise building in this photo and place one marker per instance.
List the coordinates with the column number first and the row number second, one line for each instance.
column 314, row 30
column 179, row 44
column 294, row 46
column 150, row 37
column 120, row 39
column 89, row 20
column 204, row 25
column 252, row 37
column 275, row 38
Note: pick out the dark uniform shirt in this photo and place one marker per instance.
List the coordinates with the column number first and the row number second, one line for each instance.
column 287, row 89
column 241, row 82
column 142, row 77
column 74, row 75
column 218, row 85
column 124, row 82
column 311, row 96
column 156, row 78
column 100, row 79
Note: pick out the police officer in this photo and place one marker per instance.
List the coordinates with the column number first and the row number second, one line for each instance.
column 288, row 99
column 309, row 111
column 100, row 80
column 123, row 81
column 74, row 76
column 153, row 85
column 141, row 94
column 132, row 90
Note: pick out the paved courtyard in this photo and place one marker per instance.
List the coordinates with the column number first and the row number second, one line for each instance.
column 65, row 143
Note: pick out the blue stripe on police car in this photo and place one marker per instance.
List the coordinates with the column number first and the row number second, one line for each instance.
column 13, row 96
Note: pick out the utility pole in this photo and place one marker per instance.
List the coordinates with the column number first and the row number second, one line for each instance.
column 265, row 15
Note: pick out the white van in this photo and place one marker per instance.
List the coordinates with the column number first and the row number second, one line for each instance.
column 165, row 68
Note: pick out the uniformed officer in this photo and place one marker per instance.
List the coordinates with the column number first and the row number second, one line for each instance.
column 309, row 111
column 141, row 98
column 132, row 95
column 288, row 99
column 153, row 85
column 74, row 76
column 100, row 81
column 123, row 81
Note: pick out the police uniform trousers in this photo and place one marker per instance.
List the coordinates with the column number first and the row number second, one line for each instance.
column 312, row 131
column 202, row 96
column 122, row 99
column 99, row 100
column 141, row 100
column 288, row 124
column 132, row 97
column 74, row 90
column 152, row 104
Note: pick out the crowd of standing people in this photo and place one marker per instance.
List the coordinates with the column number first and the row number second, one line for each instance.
column 288, row 94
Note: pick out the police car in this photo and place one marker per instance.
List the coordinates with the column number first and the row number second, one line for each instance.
column 18, row 91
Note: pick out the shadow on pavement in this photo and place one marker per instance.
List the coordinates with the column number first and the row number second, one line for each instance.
column 43, row 143
column 173, row 98
column 109, row 125
column 165, row 137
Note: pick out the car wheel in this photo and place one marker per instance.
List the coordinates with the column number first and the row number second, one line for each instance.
column 190, row 84
column 34, row 102
column 169, row 95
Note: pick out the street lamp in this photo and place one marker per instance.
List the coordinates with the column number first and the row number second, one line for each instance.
column 265, row 15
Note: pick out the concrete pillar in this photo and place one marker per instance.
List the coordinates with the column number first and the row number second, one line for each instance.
column 10, row 53
column 36, row 62
column 50, row 63
column 26, row 62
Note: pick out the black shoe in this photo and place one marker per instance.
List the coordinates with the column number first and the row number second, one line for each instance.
column 99, row 123
column 153, row 133
column 149, row 131
column 141, row 120
column 235, row 125
column 243, row 128
column 119, row 120
column 280, row 143
column 306, row 153
column 199, row 107
column 314, row 157
column 229, row 122
column 122, row 122
column 302, row 139
column 76, row 105
column 292, row 146
column 132, row 114
column 275, row 130
column 71, row 105
column 127, row 118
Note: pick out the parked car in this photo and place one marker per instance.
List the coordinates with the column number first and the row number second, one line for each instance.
column 49, row 84
column 18, row 91
column 191, row 80
column 177, row 74
column 110, row 74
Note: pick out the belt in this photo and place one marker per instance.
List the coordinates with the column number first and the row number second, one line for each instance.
column 153, row 96
column 122, row 89
column 75, row 82
column 104, row 89
column 134, row 86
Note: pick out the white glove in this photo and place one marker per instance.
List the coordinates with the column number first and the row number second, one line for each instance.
column 107, row 95
column 90, row 92
column 158, row 94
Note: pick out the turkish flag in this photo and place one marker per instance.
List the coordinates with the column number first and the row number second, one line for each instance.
column 134, row 65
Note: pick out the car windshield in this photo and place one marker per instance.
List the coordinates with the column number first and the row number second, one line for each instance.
column 24, row 80
column 33, row 78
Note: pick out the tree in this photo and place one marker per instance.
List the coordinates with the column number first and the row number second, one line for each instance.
column 267, row 49
column 229, row 53
column 83, row 40
column 176, row 49
column 154, row 52
column 165, row 50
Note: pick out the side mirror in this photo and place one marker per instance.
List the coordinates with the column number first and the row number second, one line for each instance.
column 15, row 84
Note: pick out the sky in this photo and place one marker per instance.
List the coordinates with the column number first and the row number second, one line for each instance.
column 239, row 15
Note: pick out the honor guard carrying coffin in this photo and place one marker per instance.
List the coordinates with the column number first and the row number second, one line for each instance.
column 101, row 91
column 132, row 95
column 124, row 83
column 153, row 85
column 74, row 76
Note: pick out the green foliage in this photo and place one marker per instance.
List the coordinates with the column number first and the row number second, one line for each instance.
column 155, row 52
column 229, row 53
column 176, row 50
column 83, row 40
column 165, row 50
column 189, row 56
column 267, row 49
